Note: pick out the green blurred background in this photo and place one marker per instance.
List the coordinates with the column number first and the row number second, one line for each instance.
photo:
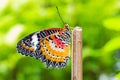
column 99, row 19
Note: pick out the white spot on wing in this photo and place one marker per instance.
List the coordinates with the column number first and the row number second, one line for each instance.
column 34, row 41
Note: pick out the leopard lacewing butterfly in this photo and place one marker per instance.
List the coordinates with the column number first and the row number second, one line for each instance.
column 51, row 46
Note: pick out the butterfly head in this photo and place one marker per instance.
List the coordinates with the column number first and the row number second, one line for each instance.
column 67, row 28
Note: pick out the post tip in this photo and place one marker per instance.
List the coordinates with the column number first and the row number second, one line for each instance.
column 78, row 28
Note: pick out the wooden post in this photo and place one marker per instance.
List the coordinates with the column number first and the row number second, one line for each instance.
column 77, row 54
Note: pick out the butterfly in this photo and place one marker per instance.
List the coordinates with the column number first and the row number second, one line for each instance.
column 52, row 46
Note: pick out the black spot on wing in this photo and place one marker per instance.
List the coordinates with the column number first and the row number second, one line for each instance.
column 61, row 65
column 54, row 64
column 38, row 54
column 48, row 63
column 66, row 59
column 43, row 34
column 43, row 58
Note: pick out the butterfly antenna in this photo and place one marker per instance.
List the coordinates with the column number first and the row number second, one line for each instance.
column 60, row 15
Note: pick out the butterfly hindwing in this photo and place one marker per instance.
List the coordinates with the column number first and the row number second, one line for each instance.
column 51, row 46
column 56, row 50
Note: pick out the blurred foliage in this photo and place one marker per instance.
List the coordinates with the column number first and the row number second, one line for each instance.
column 100, row 21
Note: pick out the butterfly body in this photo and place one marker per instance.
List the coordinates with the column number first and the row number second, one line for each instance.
column 51, row 46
